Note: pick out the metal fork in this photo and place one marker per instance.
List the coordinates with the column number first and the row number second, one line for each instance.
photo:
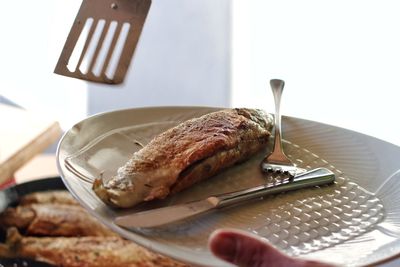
column 277, row 161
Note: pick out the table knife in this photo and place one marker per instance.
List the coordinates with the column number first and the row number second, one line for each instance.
column 166, row 215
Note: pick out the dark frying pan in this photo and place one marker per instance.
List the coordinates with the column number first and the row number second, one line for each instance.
column 10, row 197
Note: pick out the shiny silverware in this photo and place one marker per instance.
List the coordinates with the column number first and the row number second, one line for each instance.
column 162, row 216
column 277, row 161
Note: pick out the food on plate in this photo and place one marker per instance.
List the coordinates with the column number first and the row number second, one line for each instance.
column 53, row 233
column 186, row 154
column 82, row 251
column 52, row 196
column 53, row 220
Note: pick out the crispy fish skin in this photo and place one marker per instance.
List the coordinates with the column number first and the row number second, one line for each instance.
column 111, row 251
column 48, row 219
column 183, row 155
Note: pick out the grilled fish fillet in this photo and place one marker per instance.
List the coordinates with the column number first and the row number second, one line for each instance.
column 82, row 251
column 186, row 154
column 53, row 220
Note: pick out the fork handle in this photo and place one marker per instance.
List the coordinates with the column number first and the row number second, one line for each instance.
column 277, row 90
column 315, row 177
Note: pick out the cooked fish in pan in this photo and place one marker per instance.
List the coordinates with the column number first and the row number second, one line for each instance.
column 52, row 196
column 82, row 251
column 48, row 219
column 186, row 154
column 44, row 225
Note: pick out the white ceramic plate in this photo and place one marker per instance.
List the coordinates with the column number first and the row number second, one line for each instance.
column 354, row 222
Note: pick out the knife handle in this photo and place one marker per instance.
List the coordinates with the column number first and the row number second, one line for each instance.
column 315, row 177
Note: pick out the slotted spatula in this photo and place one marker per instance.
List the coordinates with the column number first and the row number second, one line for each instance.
column 102, row 40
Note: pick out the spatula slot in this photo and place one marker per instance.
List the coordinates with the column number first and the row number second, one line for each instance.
column 105, row 48
column 84, row 66
column 119, row 47
column 76, row 53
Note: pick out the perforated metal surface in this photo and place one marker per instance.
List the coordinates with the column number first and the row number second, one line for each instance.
column 102, row 40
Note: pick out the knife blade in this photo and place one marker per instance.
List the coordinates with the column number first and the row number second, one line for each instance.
column 166, row 215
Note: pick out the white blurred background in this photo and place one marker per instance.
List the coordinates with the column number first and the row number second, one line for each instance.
column 340, row 60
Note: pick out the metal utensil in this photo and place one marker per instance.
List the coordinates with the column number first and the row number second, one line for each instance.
column 102, row 40
column 277, row 161
column 166, row 215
